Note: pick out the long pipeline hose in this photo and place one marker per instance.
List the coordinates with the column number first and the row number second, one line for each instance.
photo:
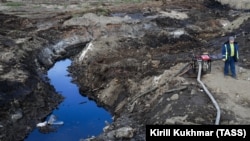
column 209, row 94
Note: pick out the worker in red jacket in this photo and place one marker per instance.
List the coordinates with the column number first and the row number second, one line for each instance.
column 230, row 55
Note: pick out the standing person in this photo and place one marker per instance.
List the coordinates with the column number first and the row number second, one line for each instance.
column 230, row 55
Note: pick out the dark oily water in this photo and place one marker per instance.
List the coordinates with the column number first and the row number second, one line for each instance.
column 81, row 117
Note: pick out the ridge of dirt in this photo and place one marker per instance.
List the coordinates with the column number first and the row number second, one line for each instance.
column 126, row 63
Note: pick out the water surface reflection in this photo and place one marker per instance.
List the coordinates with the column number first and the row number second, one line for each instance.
column 82, row 117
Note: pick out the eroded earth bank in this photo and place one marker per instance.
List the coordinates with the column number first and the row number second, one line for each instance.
column 127, row 57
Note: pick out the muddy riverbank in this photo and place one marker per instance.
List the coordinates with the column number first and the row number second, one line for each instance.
column 125, row 57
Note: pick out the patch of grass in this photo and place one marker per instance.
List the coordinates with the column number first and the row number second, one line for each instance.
column 65, row 5
column 14, row 4
column 103, row 12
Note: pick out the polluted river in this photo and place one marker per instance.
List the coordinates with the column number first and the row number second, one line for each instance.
column 77, row 117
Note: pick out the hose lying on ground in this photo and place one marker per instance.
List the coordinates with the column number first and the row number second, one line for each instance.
column 209, row 94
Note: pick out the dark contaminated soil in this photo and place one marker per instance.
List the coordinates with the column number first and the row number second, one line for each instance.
column 131, row 70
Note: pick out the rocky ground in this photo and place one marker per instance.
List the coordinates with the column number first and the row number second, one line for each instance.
column 127, row 56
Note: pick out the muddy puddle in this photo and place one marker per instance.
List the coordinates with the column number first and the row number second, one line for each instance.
column 81, row 117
